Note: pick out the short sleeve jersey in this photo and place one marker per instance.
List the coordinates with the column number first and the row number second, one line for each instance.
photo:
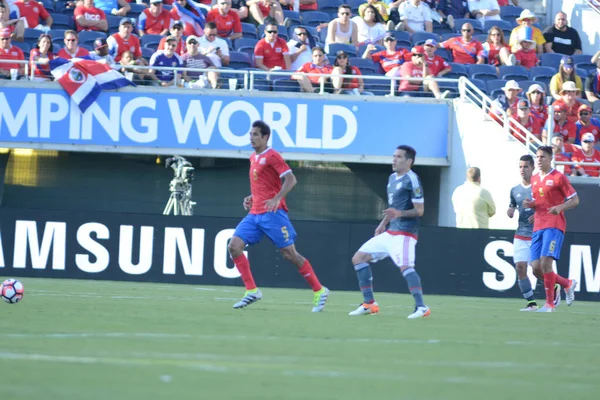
column 117, row 46
column 154, row 25
column 549, row 191
column 568, row 130
column 160, row 59
column 436, row 64
column 226, row 25
column 409, row 69
column 389, row 61
column 272, row 54
column 13, row 53
column 32, row 11
column 593, row 127
column 80, row 52
column 517, row 195
column 463, row 52
column 90, row 14
column 403, row 192
column 266, row 171
column 580, row 156
column 310, row 68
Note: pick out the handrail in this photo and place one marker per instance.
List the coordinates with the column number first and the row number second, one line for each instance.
column 594, row 5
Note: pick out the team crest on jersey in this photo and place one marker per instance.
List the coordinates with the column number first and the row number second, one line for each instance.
column 418, row 191
column 263, row 161
column 399, row 185
column 549, row 183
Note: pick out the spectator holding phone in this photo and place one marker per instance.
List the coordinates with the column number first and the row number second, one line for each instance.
column 213, row 46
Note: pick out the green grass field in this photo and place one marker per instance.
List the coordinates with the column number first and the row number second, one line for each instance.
column 89, row 340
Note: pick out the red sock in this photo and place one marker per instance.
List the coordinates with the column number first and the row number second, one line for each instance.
column 243, row 266
column 564, row 282
column 549, row 281
column 307, row 272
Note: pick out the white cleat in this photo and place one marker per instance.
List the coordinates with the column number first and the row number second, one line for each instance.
column 320, row 299
column 420, row 312
column 249, row 298
column 570, row 292
column 546, row 308
column 557, row 295
column 531, row 308
column 366, row 309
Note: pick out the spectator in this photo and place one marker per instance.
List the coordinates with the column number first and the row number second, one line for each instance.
column 465, row 49
column 71, row 49
column 449, row 10
column 13, row 27
column 100, row 52
column 166, row 58
column 495, row 48
column 438, row 67
column 8, row 51
column 484, row 10
column 566, row 73
column 154, row 20
column 587, row 124
column 305, row 5
column 537, row 102
column 560, row 154
column 526, row 54
column 228, row 21
column 124, row 40
column 418, row 68
column 188, row 29
column 527, row 120
column 527, row 18
column 391, row 58
column 138, row 75
column 504, row 3
column 193, row 59
column 592, row 82
column 317, row 66
column 473, row 205
column 271, row 52
column 506, row 101
column 261, row 9
column 569, row 95
column 342, row 66
column 118, row 8
column 415, row 16
column 380, row 6
column 562, row 126
column 213, row 46
column 89, row 18
column 301, row 45
column 586, row 154
column 370, row 27
column 176, row 31
column 342, row 29
column 40, row 57
column 240, row 8
column 33, row 12
column 561, row 38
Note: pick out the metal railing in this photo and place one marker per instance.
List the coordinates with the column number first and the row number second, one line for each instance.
column 594, row 5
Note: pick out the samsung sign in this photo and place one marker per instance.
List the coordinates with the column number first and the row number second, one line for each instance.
column 144, row 121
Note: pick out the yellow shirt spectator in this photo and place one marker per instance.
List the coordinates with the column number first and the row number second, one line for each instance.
column 556, row 84
column 379, row 5
column 473, row 204
column 537, row 36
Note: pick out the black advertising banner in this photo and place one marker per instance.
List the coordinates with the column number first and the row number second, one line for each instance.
column 193, row 250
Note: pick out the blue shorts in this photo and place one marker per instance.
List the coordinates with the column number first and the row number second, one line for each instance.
column 276, row 226
column 546, row 243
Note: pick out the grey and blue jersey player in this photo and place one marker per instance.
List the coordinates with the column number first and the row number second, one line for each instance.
column 399, row 239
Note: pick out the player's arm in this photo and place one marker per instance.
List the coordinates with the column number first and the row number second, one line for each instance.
column 417, row 211
column 289, row 181
column 572, row 202
column 511, row 207
column 383, row 224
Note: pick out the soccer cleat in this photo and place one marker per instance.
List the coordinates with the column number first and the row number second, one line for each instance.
column 557, row 295
column 530, row 308
column 249, row 298
column 366, row 309
column 320, row 299
column 546, row 308
column 420, row 312
column 570, row 292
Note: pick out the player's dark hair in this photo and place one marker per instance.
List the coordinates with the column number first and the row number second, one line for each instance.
column 546, row 149
column 527, row 158
column 264, row 128
column 409, row 152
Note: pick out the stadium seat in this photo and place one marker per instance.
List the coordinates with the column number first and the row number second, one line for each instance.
column 57, row 34
column 113, row 23
column 446, row 36
column 403, row 38
column 243, row 43
column 541, row 71
column 88, row 37
column 458, row 23
column 508, row 13
column 25, row 46
column 514, row 72
column 588, row 67
column 418, row 38
column 494, row 86
column 322, row 35
column 525, row 85
column 354, row 4
column 147, row 52
column 31, row 33
column 136, row 9
column 333, row 48
column 48, row 5
column 239, row 60
column 482, row 37
column 458, row 70
column 582, row 72
column 285, row 85
column 479, row 84
column 291, row 18
column 446, row 54
column 581, row 58
column 551, row 60
column 485, row 72
column 503, row 25
column 149, row 40
column 329, row 6
column 596, row 107
column 314, row 18
column 249, row 30
column 63, row 21
column 366, row 66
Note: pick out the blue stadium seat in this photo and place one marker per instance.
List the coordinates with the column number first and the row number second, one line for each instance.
column 291, row 18
column 149, row 40
column 479, row 84
column 88, row 37
column 551, row 60
column 322, row 35
column 525, row 85
column 458, row 70
column 581, row 58
column 582, row 72
column 285, row 85
column 147, row 52
column 458, row 23
column 493, row 86
column 540, row 71
column 446, row 36
column 249, row 30
column 48, row 5
column 503, row 25
column 314, row 18
column 403, row 38
column 22, row 45
column 57, row 34
column 239, row 60
column 514, row 72
column 508, row 13
column 485, row 72
column 366, row 66
column 329, row 6
column 31, row 33
column 354, row 4
column 446, row 54
column 244, row 42
column 588, row 67
column 136, row 9
column 482, row 37
column 113, row 23
column 418, row 38
column 333, row 48
column 63, row 21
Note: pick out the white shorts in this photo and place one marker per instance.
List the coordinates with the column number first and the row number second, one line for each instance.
column 400, row 248
column 521, row 250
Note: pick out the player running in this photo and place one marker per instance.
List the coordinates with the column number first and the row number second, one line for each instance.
column 405, row 198
column 552, row 195
column 268, row 216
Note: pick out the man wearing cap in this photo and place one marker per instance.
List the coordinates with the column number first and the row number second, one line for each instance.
column 212, row 46
column 592, row 82
column 154, row 20
column 272, row 52
column 526, row 55
column 100, row 52
column 569, row 94
column 391, row 58
column 527, row 120
column 587, row 124
column 465, row 49
column 437, row 65
column 166, row 58
column 176, row 31
column 418, row 68
column 484, row 10
column 10, row 52
column 587, row 154
column 228, row 21
column 33, row 12
column 193, row 59
column 561, row 38
column 71, row 49
column 124, row 40
column 562, row 125
column 89, row 18
column 527, row 18
column 566, row 72
column 506, row 101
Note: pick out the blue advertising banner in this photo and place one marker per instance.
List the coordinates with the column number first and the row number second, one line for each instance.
column 147, row 121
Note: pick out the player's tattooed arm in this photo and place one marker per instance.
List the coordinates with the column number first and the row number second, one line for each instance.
column 289, row 181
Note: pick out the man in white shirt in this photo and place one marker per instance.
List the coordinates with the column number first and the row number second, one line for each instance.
column 213, row 46
column 415, row 16
column 300, row 51
column 484, row 10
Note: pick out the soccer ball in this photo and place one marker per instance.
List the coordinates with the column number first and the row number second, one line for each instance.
column 11, row 291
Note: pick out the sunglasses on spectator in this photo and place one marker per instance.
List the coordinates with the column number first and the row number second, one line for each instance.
column 466, row 30
column 390, row 40
column 584, row 113
column 177, row 28
column 192, row 42
column 588, row 141
column 536, row 92
column 494, row 34
column 301, row 34
column 342, row 56
column 417, row 55
column 345, row 13
column 271, row 31
column 4, row 38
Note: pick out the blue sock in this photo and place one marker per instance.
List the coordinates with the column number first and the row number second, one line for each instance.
column 365, row 281
column 414, row 285
column 525, row 286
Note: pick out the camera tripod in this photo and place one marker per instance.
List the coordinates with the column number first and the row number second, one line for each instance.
column 180, row 202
